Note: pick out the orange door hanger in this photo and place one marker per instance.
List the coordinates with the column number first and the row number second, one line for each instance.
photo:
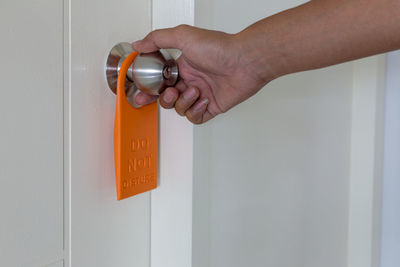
column 135, row 141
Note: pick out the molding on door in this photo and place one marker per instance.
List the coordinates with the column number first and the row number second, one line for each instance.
column 391, row 169
column 366, row 153
column 171, row 202
column 67, row 132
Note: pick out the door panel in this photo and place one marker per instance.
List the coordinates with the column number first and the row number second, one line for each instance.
column 103, row 231
column 56, row 264
column 57, row 183
column 31, row 135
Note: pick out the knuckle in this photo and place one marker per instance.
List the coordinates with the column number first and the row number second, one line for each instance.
column 182, row 27
column 165, row 105
column 195, row 119
column 179, row 111
column 181, row 31
column 150, row 36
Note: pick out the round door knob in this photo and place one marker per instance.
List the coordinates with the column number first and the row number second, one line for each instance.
column 154, row 72
column 151, row 73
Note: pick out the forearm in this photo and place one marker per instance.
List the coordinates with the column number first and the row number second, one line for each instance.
column 320, row 33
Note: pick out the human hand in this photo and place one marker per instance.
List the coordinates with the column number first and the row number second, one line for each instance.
column 215, row 75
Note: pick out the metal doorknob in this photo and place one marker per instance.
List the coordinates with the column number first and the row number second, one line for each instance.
column 151, row 73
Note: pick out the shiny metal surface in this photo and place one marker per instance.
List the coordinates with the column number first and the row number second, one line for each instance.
column 154, row 72
column 151, row 72
column 115, row 59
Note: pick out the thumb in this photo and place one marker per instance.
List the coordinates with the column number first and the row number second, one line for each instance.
column 161, row 39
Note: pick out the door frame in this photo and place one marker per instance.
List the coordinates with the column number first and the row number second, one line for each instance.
column 366, row 161
column 171, row 202
column 391, row 184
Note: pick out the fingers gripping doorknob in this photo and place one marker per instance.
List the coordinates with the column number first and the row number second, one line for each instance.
column 151, row 73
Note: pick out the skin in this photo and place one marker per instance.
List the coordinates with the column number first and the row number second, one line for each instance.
column 220, row 70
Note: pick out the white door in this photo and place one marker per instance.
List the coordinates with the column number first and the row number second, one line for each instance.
column 57, row 185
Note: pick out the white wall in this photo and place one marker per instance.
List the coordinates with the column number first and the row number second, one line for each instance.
column 271, row 181
column 390, row 253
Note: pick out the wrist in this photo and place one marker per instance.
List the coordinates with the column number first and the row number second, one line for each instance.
column 260, row 54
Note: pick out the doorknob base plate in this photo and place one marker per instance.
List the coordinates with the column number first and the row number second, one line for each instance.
column 114, row 61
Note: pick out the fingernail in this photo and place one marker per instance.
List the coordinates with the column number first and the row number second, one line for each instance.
column 168, row 97
column 190, row 94
column 199, row 106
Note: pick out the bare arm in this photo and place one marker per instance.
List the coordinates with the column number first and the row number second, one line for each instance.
column 317, row 34
column 321, row 33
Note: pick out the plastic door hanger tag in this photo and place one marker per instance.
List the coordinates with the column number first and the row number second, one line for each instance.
column 135, row 141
